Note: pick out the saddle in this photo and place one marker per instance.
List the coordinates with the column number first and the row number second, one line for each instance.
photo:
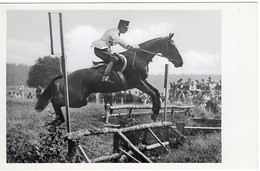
column 117, row 70
column 119, row 66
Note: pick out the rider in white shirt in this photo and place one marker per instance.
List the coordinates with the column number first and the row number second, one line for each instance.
column 110, row 38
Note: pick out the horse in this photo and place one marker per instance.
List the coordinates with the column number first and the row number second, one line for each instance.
column 83, row 82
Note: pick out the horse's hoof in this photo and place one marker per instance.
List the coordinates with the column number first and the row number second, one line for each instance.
column 153, row 117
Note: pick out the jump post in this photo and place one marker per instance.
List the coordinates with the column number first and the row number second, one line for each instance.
column 71, row 145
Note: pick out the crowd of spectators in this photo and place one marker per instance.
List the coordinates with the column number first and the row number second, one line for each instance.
column 205, row 94
column 20, row 92
column 121, row 97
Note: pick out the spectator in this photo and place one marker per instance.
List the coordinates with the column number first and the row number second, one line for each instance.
column 30, row 95
column 14, row 94
column 108, row 100
column 180, row 84
column 218, row 86
column 189, row 98
column 203, row 84
column 21, row 90
column 192, row 88
column 10, row 94
column 18, row 95
column 212, row 85
column 181, row 96
column 209, row 80
column 129, row 97
column 198, row 85
column 38, row 92
column 173, row 91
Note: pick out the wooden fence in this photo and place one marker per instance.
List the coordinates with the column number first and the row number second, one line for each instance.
column 170, row 109
column 126, row 146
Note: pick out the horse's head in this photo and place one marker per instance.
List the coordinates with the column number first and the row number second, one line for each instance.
column 170, row 51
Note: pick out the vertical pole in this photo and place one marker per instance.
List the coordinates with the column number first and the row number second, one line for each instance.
column 116, row 142
column 51, row 39
column 180, row 127
column 165, row 87
column 71, row 144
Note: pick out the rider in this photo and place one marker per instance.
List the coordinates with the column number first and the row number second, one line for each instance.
column 110, row 38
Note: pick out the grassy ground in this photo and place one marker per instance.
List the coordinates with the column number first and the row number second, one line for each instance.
column 27, row 135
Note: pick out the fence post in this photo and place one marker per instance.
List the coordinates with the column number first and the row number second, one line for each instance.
column 71, row 144
column 165, row 87
column 180, row 127
column 51, row 38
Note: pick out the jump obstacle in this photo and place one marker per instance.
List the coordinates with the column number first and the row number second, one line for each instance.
column 172, row 109
column 125, row 145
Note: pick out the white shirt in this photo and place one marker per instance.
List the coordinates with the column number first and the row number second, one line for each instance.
column 21, row 88
column 108, row 39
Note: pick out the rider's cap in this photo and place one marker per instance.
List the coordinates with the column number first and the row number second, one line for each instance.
column 124, row 23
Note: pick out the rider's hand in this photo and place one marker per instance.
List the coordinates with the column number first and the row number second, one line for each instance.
column 135, row 47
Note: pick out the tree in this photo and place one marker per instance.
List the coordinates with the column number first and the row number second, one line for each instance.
column 43, row 71
column 16, row 73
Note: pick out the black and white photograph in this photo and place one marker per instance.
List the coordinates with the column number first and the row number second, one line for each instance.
column 130, row 83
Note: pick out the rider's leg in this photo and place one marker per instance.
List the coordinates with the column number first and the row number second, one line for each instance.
column 109, row 58
column 109, row 69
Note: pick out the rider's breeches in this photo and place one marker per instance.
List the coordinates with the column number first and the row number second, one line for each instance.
column 107, row 57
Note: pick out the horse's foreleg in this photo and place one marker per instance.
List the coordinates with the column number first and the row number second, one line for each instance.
column 158, row 101
column 154, row 89
column 155, row 98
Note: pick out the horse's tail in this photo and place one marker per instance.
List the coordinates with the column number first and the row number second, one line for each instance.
column 46, row 95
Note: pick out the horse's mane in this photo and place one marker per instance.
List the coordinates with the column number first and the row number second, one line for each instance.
column 141, row 45
column 152, row 40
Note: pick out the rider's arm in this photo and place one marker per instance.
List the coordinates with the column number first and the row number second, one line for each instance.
column 117, row 40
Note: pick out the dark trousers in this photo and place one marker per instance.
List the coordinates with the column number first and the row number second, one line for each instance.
column 107, row 57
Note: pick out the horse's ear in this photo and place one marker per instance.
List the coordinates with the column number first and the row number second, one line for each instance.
column 170, row 36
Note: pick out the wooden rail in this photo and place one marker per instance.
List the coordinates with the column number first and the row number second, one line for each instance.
column 173, row 109
column 190, row 131
column 147, row 107
column 88, row 132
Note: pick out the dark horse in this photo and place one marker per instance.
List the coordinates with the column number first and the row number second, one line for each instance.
column 82, row 83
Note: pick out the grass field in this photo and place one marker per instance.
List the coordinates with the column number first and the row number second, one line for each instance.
column 30, row 140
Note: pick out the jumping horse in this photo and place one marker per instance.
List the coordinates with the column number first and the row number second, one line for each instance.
column 82, row 83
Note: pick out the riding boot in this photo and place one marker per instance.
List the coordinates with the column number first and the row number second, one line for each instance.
column 107, row 72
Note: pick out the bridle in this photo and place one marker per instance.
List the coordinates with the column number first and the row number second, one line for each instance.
column 143, row 50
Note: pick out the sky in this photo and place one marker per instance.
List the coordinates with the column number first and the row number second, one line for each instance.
column 197, row 35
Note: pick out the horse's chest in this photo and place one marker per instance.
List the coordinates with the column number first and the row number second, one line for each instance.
column 135, row 74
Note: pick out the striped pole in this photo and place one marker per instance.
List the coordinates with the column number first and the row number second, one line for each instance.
column 165, row 88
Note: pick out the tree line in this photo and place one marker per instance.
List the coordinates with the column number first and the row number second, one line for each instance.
column 45, row 68
column 39, row 74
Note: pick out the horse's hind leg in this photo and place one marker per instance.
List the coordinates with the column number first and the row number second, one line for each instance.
column 59, row 115
column 57, row 104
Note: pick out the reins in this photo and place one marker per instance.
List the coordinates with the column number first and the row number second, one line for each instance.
column 146, row 52
column 151, row 52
